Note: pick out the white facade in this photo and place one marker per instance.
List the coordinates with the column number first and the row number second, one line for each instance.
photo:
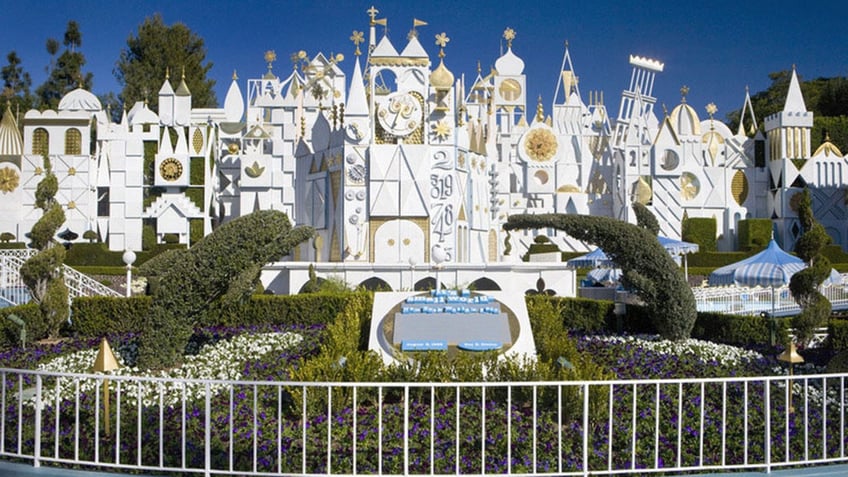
column 402, row 158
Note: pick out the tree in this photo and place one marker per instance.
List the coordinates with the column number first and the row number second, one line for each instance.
column 649, row 271
column 218, row 272
column 66, row 73
column 16, row 81
column 645, row 218
column 42, row 273
column 815, row 308
column 156, row 47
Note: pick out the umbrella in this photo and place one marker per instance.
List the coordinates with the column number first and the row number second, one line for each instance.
column 677, row 248
column 772, row 267
column 604, row 276
column 595, row 258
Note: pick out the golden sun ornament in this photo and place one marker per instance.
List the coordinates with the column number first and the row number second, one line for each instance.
column 441, row 129
column 540, row 144
column 9, row 180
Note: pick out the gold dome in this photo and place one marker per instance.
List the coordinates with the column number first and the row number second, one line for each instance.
column 441, row 78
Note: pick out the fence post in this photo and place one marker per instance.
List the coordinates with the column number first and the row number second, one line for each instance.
column 36, row 462
column 207, row 434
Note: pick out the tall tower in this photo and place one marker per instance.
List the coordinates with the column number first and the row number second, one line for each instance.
column 632, row 138
column 787, row 148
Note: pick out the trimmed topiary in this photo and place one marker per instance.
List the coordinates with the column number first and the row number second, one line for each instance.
column 649, row 270
column 219, row 271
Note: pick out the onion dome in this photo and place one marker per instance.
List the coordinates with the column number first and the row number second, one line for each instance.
column 80, row 100
column 684, row 119
column 509, row 64
column 141, row 114
column 441, row 78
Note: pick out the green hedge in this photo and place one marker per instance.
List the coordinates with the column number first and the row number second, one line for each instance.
column 835, row 254
column 100, row 315
column 13, row 245
column 97, row 316
column 93, row 255
column 754, row 234
column 594, row 316
column 838, row 333
column 700, row 230
column 715, row 259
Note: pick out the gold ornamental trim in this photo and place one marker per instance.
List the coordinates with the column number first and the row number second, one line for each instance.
column 398, row 61
column 9, row 180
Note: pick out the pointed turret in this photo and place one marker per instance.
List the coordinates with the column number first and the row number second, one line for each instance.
column 234, row 102
column 794, row 98
column 748, row 108
column 11, row 142
column 357, row 100
column 182, row 103
column 166, row 101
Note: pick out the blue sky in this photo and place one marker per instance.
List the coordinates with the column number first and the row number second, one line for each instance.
column 714, row 47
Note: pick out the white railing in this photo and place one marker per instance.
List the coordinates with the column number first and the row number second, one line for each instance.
column 623, row 427
column 13, row 291
column 736, row 300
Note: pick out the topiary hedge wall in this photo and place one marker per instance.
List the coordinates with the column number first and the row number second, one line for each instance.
column 754, row 234
column 701, row 231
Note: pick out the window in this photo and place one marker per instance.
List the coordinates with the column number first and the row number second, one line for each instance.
column 73, row 141
column 40, row 142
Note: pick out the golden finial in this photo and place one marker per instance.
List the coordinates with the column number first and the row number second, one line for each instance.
column 509, row 35
column 665, row 110
column 479, row 69
column 442, row 40
column 826, row 136
column 683, row 92
column 270, row 58
column 167, row 72
column 235, row 76
column 540, row 110
column 711, row 109
column 183, row 75
column 372, row 12
column 357, row 37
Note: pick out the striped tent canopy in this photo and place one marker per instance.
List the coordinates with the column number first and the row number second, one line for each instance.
column 677, row 247
column 604, row 276
column 595, row 258
column 771, row 267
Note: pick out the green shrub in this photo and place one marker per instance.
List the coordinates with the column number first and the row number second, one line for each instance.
column 195, row 171
column 837, row 331
column 148, row 237
column 754, row 234
column 7, row 237
column 700, row 230
column 835, row 254
column 648, row 269
column 195, row 194
column 13, row 245
column 36, row 328
column 195, row 227
column 224, row 267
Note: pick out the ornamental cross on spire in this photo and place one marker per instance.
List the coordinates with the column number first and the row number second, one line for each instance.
column 270, row 58
column 442, row 40
column 372, row 12
column 509, row 35
column 357, row 37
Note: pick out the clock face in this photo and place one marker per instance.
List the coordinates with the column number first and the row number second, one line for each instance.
column 510, row 90
column 170, row 169
column 356, row 130
column 400, row 114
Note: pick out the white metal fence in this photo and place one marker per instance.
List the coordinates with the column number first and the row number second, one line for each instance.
column 736, row 300
column 623, row 427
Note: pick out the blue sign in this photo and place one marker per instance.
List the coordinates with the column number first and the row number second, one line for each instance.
column 479, row 345
column 423, row 345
